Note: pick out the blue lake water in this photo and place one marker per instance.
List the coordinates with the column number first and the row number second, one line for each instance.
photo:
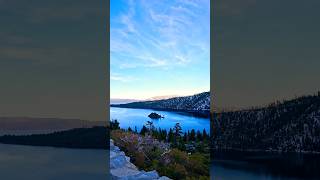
column 138, row 117
column 265, row 166
column 48, row 163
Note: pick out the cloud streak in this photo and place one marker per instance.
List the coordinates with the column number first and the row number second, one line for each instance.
column 121, row 78
column 160, row 35
column 154, row 42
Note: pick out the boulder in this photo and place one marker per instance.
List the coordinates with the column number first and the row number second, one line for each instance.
column 122, row 169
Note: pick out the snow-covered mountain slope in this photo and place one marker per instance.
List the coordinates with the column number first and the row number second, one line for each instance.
column 197, row 102
column 284, row 126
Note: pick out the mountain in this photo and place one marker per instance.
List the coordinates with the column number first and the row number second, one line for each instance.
column 92, row 138
column 121, row 101
column 30, row 125
column 161, row 97
column 195, row 103
column 288, row 126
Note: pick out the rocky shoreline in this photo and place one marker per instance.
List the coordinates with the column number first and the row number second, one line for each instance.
column 122, row 169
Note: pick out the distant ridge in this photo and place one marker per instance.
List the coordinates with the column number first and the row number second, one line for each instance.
column 198, row 103
column 161, row 97
column 25, row 124
column 121, row 101
column 83, row 138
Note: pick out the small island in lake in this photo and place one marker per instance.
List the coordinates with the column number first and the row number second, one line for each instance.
column 154, row 115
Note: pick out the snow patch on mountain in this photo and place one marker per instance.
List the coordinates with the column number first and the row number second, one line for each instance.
column 197, row 102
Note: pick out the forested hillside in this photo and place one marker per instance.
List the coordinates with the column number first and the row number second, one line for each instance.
column 292, row 125
column 197, row 102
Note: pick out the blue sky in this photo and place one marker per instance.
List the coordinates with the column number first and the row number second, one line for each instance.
column 159, row 48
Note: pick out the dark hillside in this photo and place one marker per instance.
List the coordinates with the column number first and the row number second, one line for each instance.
column 198, row 103
column 292, row 125
column 89, row 138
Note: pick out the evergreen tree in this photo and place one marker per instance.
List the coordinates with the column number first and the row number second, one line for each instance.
column 143, row 130
column 170, row 136
column 185, row 137
column 164, row 134
column 114, row 124
column 205, row 135
column 150, row 127
column 199, row 136
column 135, row 129
column 192, row 135
column 177, row 132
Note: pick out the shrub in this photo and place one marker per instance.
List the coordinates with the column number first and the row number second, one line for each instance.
column 150, row 154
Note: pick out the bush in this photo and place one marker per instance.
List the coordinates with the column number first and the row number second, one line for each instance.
column 150, row 154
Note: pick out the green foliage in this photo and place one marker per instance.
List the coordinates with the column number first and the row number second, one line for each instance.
column 198, row 163
column 114, row 124
column 177, row 171
column 175, row 164
column 170, row 136
column 144, row 130
column 192, row 135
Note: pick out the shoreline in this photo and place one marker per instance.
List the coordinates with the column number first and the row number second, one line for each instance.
column 202, row 114
column 262, row 151
column 55, row 147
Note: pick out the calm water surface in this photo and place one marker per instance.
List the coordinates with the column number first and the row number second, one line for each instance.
column 265, row 166
column 138, row 117
column 47, row 163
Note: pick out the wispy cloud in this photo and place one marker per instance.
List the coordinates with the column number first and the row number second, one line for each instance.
column 154, row 42
column 121, row 78
column 158, row 35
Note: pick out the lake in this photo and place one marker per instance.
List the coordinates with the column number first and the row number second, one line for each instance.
column 128, row 117
column 48, row 163
column 265, row 166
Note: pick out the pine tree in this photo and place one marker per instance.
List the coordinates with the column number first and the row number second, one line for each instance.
column 192, row 135
column 170, row 136
column 199, row 136
column 135, row 129
column 205, row 135
column 185, row 137
column 150, row 127
column 143, row 130
column 114, row 124
column 177, row 132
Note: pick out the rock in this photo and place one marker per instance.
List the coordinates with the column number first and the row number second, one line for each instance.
column 164, row 178
column 122, row 169
column 118, row 161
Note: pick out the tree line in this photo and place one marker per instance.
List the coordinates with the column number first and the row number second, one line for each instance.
column 175, row 136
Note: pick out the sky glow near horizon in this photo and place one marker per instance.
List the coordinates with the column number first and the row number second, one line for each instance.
column 159, row 48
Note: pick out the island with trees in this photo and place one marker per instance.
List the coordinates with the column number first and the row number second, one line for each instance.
column 154, row 115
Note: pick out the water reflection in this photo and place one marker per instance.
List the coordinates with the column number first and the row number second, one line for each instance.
column 46, row 163
column 261, row 165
